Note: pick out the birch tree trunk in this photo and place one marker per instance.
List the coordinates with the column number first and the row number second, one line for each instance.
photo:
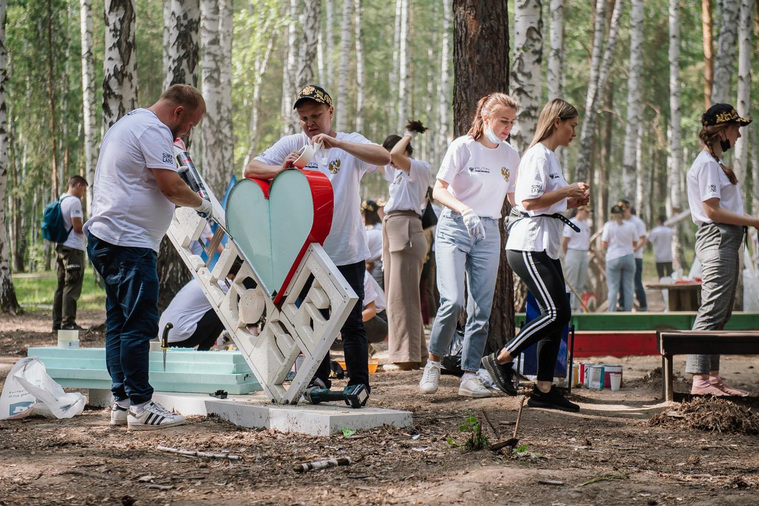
column 674, row 174
column 262, row 61
column 359, row 68
column 221, row 175
column 480, row 39
column 526, row 75
column 403, row 68
column 183, row 51
column 634, row 104
column 310, row 21
column 707, row 29
column 289, row 70
column 594, row 88
column 212, row 62
column 726, row 44
column 444, row 87
column 55, row 188
column 394, row 73
column 120, row 81
column 329, row 44
column 8, row 301
column 343, row 78
column 166, row 36
column 88, row 97
column 556, row 52
column 745, row 43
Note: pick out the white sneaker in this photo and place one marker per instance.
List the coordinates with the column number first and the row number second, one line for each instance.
column 153, row 416
column 430, row 377
column 473, row 386
column 118, row 414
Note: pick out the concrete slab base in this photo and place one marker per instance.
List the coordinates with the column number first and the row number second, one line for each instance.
column 256, row 411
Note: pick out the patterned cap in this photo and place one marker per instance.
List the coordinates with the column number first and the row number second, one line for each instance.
column 315, row 93
column 722, row 113
column 616, row 209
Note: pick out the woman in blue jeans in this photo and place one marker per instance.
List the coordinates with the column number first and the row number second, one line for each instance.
column 477, row 172
column 619, row 237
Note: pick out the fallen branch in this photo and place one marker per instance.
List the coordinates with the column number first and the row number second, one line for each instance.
column 321, row 464
column 92, row 474
column 196, row 453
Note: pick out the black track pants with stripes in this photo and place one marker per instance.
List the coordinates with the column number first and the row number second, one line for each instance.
column 545, row 280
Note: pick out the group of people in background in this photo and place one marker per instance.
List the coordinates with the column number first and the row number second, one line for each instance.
column 136, row 190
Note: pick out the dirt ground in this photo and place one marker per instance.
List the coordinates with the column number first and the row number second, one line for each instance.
column 607, row 453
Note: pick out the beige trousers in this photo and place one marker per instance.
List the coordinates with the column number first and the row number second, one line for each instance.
column 403, row 250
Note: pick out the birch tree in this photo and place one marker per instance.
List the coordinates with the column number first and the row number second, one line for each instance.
column 444, row 87
column 120, row 81
column 183, row 51
column 634, row 104
column 394, row 73
column 8, row 302
column 88, row 97
column 556, row 51
column 526, row 82
column 310, row 21
column 289, row 69
column 707, row 30
column 53, row 132
column 403, row 68
column 674, row 174
column 745, row 43
column 329, row 44
column 724, row 64
column 359, row 67
column 343, row 78
column 223, row 173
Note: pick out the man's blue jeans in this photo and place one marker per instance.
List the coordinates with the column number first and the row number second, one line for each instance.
column 131, row 289
column 620, row 273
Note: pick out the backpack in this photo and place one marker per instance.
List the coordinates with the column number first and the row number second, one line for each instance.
column 53, row 226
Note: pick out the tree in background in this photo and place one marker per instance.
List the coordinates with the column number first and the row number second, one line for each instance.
column 88, row 97
column 120, row 81
column 724, row 64
column 634, row 103
column 480, row 39
column 526, row 73
column 555, row 74
column 182, row 52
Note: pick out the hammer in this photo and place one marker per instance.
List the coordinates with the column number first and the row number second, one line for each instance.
column 354, row 396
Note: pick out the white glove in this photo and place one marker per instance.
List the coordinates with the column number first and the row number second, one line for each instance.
column 409, row 133
column 205, row 209
column 473, row 224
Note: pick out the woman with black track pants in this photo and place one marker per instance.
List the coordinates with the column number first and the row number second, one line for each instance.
column 532, row 250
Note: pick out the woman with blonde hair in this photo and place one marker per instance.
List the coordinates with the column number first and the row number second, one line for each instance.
column 619, row 237
column 532, row 250
column 477, row 172
column 716, row 208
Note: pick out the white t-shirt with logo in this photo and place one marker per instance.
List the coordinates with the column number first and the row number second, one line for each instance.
column 578, row 240
column 346, row 242
column 706, row 180
column 71, row 207
column 373, row 293
column 640, row 229
column 620, row 239
column 185, row 311
column 128, row 208
column 539, row 173
column 407, row 191
column 480, row 177
column 661, row 239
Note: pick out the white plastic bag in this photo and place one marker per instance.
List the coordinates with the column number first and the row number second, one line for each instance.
column 29, row 390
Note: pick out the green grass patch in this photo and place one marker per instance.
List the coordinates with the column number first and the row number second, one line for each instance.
column 36, row 291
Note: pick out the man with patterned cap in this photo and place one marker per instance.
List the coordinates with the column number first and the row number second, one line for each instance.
column 344, row 158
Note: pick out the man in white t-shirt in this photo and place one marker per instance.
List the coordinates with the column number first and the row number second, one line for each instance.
column 661, row 239
column 70, row 258
column 135, row 190
column 575, row 246
column 640, row 227
column 344, row 159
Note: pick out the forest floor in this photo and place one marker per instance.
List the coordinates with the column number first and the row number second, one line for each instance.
column 610, row 452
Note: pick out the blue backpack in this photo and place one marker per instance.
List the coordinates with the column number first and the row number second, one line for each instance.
column 53, row 226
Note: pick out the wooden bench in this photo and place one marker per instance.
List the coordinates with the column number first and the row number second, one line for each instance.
column 704, row 342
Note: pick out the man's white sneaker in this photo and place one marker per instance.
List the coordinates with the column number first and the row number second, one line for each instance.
column 430, row 377
column 472, row 386
column 118, row 414
column 153, row 416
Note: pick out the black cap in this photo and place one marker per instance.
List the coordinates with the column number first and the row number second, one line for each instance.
column 722, row 113
column 315, row 93
column 617, row 209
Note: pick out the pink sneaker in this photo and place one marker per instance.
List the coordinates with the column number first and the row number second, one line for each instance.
column 718, row 382
column 703, row 387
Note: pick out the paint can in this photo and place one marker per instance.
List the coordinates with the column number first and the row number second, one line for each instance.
column 611, row 369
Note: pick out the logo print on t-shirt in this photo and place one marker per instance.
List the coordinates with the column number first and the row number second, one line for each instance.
column 536, row 188
column 712, row 188
column 483, row 170
column 166, row 157
column 334, row 167
column 553, row 176
column 506, row 173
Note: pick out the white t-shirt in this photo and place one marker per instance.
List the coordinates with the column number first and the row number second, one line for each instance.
column 706, row 180
column 661, row 239
column 620, row 239
column 373, row 293
column 407, row 191
column 640, row 229
column 539, row 173
column 374, row 242
column 578, row 240
column 185, row 311
column 71, row 207
column 346, row 242
column 480, row 177
column 128, row 208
